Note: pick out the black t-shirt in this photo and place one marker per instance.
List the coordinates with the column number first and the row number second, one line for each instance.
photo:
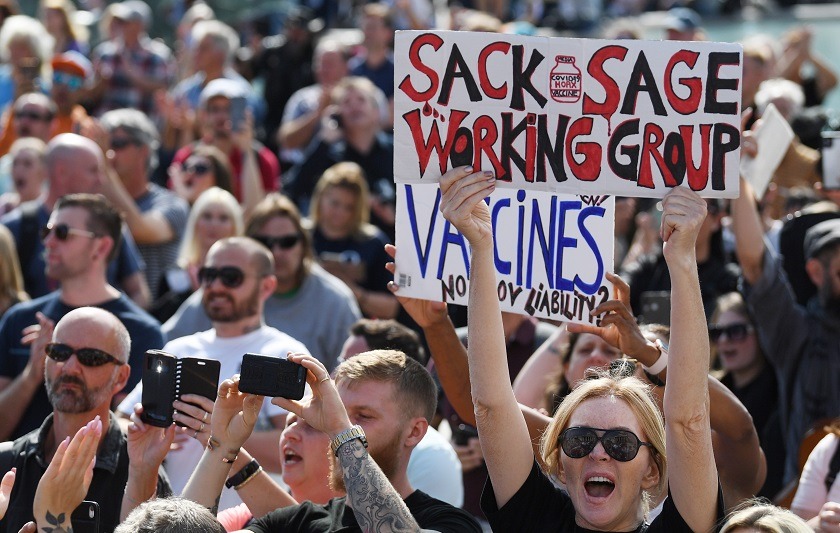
column 540, row 506
column 336, row 517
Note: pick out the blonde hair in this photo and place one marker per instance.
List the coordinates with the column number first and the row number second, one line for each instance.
column 636, row 395
column 190, row 251
column 11, row 279
column 351, row 177
column 760, row 515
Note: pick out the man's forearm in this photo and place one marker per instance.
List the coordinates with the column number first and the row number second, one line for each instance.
column 375, row 502
column 452, row 367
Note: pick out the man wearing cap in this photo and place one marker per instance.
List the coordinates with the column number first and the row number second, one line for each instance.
column 801, row 342
column 255, row 169
column 683, row 24
column 130, row 68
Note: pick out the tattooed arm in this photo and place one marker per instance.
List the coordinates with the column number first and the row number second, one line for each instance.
column 375, row 502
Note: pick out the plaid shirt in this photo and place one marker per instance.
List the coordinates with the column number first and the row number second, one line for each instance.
column 151, row 59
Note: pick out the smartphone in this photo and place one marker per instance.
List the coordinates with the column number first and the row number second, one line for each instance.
column 166, row 378
column 238, row 104
column 462, row 434
column 272, row 376
column 85, row 518
column 831, row 160
column 656, row 307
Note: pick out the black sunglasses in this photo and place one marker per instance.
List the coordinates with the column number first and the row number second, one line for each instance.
column 230, row 276
column 87, row 356
column 32, row 115
column 285, row 242
column 118, row 143
column 63, row 231
column 198, row 168
column 735, row 332
column 620, row 444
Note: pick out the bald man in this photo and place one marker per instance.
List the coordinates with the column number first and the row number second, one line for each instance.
column 86, row 366
column 74, row 165
column 80, row 238
column 236, row 280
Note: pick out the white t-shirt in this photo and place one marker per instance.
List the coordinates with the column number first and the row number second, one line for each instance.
column 435, row 469
column 228, row 351
column 812, row 494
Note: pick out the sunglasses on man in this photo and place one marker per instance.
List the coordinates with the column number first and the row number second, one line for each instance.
column 230, row 276
column 285, row 242
column 72, row 82
column 60, row 353
column 734, row 332
column 198, row 168
column 62, row 232
column 620, row 444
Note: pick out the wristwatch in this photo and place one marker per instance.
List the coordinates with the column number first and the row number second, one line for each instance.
column 662, row 362
column 355, row 432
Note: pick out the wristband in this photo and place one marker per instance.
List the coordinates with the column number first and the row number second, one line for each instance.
column 244, row 475
column 355, row 432
column 661, row 363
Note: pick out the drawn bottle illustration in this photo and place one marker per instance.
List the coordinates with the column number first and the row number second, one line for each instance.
column 565, row 83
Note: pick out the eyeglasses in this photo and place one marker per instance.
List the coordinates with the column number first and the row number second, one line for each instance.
column 734, row 332
column 230, row 276
column 60, row 353
column 63, row 232
column 284, row 243
column 118, row 143
column 620, row 444
column 198, row 168
column 72, row 82
column 32, row 115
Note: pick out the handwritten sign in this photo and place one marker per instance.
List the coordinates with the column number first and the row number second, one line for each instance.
column 577, row 116
column 551, row 251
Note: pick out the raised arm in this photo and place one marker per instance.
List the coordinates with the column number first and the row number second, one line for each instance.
column 746, row 224
column 542, row 367
column 376, row 504
column 501, row 426
column 692, row 475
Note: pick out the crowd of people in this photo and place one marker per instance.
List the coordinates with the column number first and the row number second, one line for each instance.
column 231, row 191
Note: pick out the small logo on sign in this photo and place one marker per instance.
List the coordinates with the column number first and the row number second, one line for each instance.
column 565, row 84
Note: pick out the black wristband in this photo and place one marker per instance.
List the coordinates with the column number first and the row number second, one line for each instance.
column 240, row 477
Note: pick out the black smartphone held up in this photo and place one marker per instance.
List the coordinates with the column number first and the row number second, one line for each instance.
column 462, row 433
column 656, row 307
column 85, row 518
column 166, row 378
column 237, row 112
column 831, row 160
column 272, row 376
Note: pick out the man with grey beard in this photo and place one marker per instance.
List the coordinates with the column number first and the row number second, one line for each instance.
column 86, row 366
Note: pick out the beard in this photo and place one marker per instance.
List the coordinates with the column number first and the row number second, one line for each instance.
column 72, row 401
column 386, row 457
column 235, row 310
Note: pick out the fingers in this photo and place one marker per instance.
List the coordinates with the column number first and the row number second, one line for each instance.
column 453, row 175
column 8, row 482
column 391, row 250
column 613, row 306
column 583, row 328
column 292, row 406
column 746, row 114
column 470, row 190
column 315, row 367
column 203, row 403
column 28, row 527
column 620, row 288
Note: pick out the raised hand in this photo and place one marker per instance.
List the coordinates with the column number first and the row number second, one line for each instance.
column 323, row 410
column 234, row 414
column 462, row 202
column 684, row 213
column 67, row 479
column 6, row 491
column 37, row 336
column 194, row 412
column 147, row 444
column 424, row 312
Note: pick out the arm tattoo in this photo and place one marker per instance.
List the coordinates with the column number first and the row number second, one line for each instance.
column 56, row 524
column 375, row 503
column 215, row 508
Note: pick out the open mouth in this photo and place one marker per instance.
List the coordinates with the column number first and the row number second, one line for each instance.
column 598, row 487
column 291, row 458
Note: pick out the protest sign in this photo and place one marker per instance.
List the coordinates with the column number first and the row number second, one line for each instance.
column 551, row 251
column 577, row 116
column 773, row 137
